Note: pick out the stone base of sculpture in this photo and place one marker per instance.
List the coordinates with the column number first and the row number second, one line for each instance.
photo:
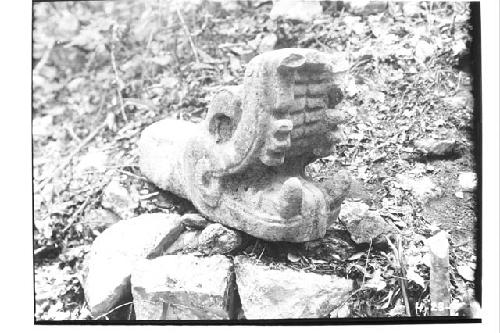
column 243, row 166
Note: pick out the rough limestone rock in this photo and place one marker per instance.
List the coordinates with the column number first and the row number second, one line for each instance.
column 188, row 240
column 116, row 251
column 352, row 210
column 243, row 166
column 463, row 98
column 424, row 50
column 217, row 239
column 435, row 147
column 467, row 181
column 284, row 293
column 42, row 126
column 100, row 218
column 183, row 287
column 368, row 226
column 120, row 200
column 268, row 42
column 194, row 221
column 93, row 160
column 411, row 8
column 365, row 225
column 298, row 10
column 423, row 188
column 466, row 271
column 365, row 7
column 341, row 312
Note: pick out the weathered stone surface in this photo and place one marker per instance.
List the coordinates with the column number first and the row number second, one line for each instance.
column 100, row 218
column 183, row 287
column 283, row 293
column 268, row 42
column 439, row 281
column 93, row 160
column 42, row 126
column 217, row 239
column 424, row 50
column 366, row 7
column 466, row 271
column 411, row 8
column 467, row 181
column 435, row 147
column 342, row 311
column 352, row 210
column 120, row 200
column 194, row 221
column 188, row 240
column 463, row 99
column 115, row 252
column 244, row 165
column 365, row 225
column 299, row 10
column 423, row 188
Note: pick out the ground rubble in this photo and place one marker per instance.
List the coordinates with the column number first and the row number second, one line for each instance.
column 174, row 272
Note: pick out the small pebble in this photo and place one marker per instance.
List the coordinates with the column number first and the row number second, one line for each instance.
column 466, row 272
column 467, row 181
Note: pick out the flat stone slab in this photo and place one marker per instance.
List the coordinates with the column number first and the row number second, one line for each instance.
column 187, row 241
column 217, row 239
column 183, row 287
column 364, row 225
column 120, row 200
column 283, row 293
column 115, row 252
column 435, row 147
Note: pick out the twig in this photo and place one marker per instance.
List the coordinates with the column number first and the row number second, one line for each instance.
column 401, row 279
column 348, row 298
column 150, row 195
column 115, row 70
column 112, row 166
column 80, row 209
column 77, row 213
column 44, row 58
column 41, row 249
column 72, row 133
column 140, row 103
column 263, row 250
column 366, row 262
column 131, row 174
column 68, row 159
column 186, row 31
column 113, row 310
column 257, row 243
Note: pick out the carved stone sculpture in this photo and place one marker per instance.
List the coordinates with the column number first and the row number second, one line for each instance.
column 243, row 166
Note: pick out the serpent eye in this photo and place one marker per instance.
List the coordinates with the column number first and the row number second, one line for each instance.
column 221, row 127
column 224, row 114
